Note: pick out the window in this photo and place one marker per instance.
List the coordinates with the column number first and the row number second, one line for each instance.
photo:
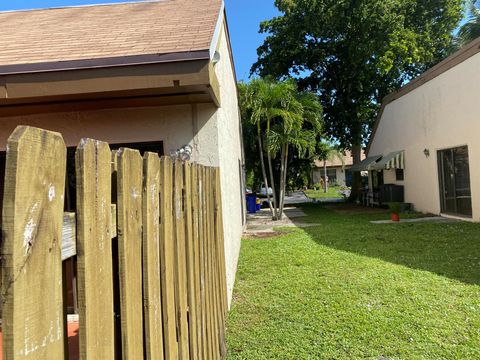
column 399, row 174
column 454, row 173
column 332, row 176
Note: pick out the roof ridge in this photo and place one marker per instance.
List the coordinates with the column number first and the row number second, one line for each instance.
column 131, row 2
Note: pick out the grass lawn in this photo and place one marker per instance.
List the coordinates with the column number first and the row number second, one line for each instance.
column 332, row 193
column 349, row 289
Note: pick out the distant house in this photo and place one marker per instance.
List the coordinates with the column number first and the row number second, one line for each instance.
column 426, row 139
column 155, row 76
column 338, row 172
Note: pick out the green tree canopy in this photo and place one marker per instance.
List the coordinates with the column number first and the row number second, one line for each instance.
column 471, row 29
column 285, row 120
column 354, row 52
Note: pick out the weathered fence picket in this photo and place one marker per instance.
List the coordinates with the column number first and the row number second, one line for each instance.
column 180, row 262
column 190, row 261
column 32, row 293
column 148, row 239
column 151, row 258
column 94, row 250
column 129, row 204
column 167, row 253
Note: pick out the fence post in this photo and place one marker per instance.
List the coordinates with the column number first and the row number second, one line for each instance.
column 167, row 252
column 151, row 257
column 94, row 250
column 129, row 200
column 32, row 299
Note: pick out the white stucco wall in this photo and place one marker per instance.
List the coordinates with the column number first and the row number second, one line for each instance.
column 442, row 113
column 231, row 159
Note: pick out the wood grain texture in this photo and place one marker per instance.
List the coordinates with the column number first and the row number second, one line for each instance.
column 205, row 332
column 32, row 299
column 212, row 265
column 152, row 302
column 167, row 263
column 69, row 235
column 196, row 250
column 94, row 250
column 190, row 261
column 206, row 264
column 180, row 262
column 69, row 232
column 129, row 206
column 219, row 234
column 221, row 267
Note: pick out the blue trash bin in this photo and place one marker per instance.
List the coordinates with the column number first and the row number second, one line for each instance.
column 252, row 203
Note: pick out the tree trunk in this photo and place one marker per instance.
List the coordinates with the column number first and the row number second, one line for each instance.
column 325, row 182
column 284, row 180
column 274, row 192
column 282, row 185
column 270, row 169
column 356, row 176
column 264, row 171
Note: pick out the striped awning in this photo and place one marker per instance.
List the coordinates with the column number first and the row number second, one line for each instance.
column 365, row 164
column 394, row 160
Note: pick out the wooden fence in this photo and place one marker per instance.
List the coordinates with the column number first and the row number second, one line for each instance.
column 148, row 237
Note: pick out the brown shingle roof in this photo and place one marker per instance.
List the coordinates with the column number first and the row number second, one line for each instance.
column 107, row 31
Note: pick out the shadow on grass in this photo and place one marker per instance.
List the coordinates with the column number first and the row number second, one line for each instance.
column 448, row 249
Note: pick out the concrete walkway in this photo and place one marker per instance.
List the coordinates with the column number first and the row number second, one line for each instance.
column 262, row 223
column 297, row 197
column 429, row 219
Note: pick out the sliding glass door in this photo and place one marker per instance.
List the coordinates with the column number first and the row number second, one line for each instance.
column 454, row 173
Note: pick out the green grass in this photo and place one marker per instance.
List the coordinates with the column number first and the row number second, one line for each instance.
column 332, row 193
column 349, row 289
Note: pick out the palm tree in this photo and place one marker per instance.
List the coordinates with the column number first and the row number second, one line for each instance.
column 471, row 30
column 284, row 118
column 300, row 134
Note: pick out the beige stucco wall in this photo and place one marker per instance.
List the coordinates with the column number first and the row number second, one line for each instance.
column 442, row 113
column 230, row 158
column 174, row 125
column 214, row 135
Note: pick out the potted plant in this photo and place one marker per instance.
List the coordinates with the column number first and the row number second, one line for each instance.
column 395, row 209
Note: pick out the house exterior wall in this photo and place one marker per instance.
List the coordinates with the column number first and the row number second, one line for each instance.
column 213, row 133
column 230, row 155
column 318, row 173
column 390, row 177
column 440, row 114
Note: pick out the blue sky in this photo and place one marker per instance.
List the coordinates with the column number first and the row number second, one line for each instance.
column 243, row 23
column 244, row 17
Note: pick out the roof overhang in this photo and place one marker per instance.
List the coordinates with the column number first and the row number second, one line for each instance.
column 103, row 62
column 161, row 80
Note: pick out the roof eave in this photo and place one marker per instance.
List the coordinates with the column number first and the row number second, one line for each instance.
column 99, row 63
